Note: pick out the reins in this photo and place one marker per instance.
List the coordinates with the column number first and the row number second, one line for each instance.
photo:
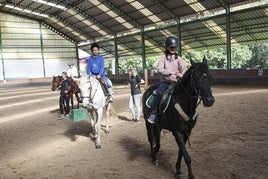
column 91, row 97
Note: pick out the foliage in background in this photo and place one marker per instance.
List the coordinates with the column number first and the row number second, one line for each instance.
column 243, row 56
column 259, row 58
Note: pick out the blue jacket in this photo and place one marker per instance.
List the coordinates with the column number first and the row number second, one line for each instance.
column 95, row 65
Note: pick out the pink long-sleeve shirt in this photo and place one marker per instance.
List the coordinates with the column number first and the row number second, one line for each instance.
column 168, row 68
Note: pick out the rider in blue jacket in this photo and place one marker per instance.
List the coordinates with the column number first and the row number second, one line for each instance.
column 95, row 66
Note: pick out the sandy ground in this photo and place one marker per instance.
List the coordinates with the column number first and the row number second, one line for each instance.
column 230, row 139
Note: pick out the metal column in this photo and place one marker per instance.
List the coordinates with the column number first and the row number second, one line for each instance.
column 228, row 38
column 77, row 58
column 116, row 55
column 179, row 35
column 2, row 57
column 42, row 49
column 143, row 50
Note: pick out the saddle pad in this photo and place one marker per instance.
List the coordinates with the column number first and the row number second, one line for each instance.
column 150, row 100
column 165, row 101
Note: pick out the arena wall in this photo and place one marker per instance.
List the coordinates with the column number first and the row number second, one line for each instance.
column 219, row 77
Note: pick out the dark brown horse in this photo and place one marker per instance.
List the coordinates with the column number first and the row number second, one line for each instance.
column 180, row 116
column 56, row 81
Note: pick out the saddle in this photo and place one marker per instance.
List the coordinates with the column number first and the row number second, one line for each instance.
column 165, row 100
column 104, row 86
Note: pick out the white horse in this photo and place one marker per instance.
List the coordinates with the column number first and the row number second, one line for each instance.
column 94, row 101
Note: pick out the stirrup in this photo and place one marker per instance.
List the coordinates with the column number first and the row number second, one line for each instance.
column 151, row 118
column 109, row 99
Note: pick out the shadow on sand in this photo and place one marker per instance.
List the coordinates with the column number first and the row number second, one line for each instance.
column 139, row 150
column 123, row 118
column 82, row 128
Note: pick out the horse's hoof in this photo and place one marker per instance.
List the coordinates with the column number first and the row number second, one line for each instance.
column 98, row 146
column 178, row 173
column 155, row 162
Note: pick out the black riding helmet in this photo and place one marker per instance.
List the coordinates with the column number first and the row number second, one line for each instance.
column 171, row 41
column 94, row 45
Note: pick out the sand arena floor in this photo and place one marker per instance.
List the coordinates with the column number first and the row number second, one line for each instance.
column 230, row 139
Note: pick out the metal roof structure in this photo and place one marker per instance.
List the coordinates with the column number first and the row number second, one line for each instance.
column 123, row 27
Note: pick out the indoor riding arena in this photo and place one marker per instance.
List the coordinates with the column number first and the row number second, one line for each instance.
column 39, row 39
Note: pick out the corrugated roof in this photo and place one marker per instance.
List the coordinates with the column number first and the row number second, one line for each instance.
column 203, row 22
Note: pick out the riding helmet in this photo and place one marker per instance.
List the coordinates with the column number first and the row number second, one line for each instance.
column 94, row 45
column 171, row 41
column 70, row 63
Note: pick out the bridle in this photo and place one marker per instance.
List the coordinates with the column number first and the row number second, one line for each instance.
column 197, row 94
column 91, row 94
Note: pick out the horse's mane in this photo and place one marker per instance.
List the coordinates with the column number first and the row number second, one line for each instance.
column 197, row 68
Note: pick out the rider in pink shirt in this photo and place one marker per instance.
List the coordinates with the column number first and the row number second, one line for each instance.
column 172, row 67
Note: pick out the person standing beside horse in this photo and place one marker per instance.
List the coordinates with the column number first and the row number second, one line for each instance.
column 72, row 70
column 135, row 98
column 171, row 66
column 65, row 88
column 95, row 66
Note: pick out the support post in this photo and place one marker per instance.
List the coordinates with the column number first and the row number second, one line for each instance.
column 116, row 55
column 228, row 38
column 146, row 79
column 2, row 57
column 77, row 59
column 179, row 36
column 42, row 49
column 143, row 49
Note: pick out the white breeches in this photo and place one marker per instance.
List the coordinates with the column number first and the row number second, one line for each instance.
column 135, row 106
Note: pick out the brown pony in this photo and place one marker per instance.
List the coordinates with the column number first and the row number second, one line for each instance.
column 56, row 81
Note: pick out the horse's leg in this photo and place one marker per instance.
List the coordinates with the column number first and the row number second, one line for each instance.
column 150, row 135
column 108, row 106
column 98, row 128
column 157, row 133
column 178, row 164
column 182, row 149
column 72, row 100
column 91, row 118
column 77, row 98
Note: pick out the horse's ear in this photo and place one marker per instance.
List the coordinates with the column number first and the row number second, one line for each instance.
column 205, row 60
column 192, row 62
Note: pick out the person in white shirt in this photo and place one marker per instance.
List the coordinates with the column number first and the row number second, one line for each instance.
column 72, row 71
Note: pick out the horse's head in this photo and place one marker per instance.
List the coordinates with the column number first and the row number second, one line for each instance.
column 56, row 80
column 201, row 82
column 87, row 89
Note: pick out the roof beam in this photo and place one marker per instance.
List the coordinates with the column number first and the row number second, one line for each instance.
column 85, row 14
column 43, row 23
column 124, row 15
column 56, row 16
column 165, row 9
column 121, row 13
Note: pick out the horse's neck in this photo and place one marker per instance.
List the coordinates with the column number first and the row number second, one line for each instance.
column 96, row 87
column 185, row 95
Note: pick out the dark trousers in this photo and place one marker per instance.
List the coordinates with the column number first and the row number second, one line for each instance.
column 64, row 103
column 159, row 93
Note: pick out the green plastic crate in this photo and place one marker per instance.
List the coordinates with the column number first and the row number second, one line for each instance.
column 78, row 114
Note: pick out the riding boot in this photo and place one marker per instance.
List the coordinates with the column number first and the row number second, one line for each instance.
column 151, row 118
column 110, row 94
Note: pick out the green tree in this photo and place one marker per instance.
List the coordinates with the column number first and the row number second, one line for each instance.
column 241, row 56
column 259, row 57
